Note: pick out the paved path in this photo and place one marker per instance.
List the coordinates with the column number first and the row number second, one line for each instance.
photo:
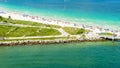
column 63, row 32
column 32, row 37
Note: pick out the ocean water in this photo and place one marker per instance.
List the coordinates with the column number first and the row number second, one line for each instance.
column 91, row 12
column 75, row 55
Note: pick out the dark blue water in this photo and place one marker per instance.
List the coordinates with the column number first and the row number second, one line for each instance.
column 75, row 55
column 102, row 12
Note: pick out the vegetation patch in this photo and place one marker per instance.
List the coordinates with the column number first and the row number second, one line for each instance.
column 74, row 31
column 108, row 34
column 12, row 31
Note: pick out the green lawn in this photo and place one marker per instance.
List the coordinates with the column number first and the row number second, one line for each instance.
column 5, row 29
column 74, row 31
column 108, row 34
column 12, row 31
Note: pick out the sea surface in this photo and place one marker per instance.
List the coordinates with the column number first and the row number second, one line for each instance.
column 105, row 13
column 69, row 55
column 91, row 12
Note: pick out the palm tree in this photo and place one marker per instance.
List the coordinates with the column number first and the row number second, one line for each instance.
column 9, row 19
column 1, row 18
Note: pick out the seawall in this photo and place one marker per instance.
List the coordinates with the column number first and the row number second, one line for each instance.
column 43, row 42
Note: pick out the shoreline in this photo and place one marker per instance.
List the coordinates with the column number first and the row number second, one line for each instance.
column 75, row 20
column 38, row 19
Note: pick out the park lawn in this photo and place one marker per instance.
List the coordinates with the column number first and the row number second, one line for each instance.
column 12, row 31
column 74, row 31
column 48, row 32
column 106, row 33
column 5, row 29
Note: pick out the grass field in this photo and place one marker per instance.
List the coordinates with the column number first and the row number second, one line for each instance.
column 12, row 31
column 75, row 31
column 108, row 34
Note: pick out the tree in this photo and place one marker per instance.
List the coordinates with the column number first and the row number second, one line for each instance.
column 5, row 21
column 80, row 31
column 9, row 19
column 1, row 18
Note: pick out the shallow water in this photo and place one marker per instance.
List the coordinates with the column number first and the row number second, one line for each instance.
column 75, row 55
column 99, row 12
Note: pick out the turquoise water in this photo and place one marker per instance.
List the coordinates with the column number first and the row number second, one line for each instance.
column 75, row 55
column 104, row 12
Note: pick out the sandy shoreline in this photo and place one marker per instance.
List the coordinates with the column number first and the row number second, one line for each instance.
column 26, row 17
column 38, row 19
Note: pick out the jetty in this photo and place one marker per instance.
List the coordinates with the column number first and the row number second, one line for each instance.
column 110, row 38
column 42, row 42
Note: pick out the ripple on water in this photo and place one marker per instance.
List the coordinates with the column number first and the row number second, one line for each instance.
column 70, row 55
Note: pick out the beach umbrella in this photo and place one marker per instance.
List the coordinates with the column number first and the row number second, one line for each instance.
column 1, row 12
column 25, row 15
